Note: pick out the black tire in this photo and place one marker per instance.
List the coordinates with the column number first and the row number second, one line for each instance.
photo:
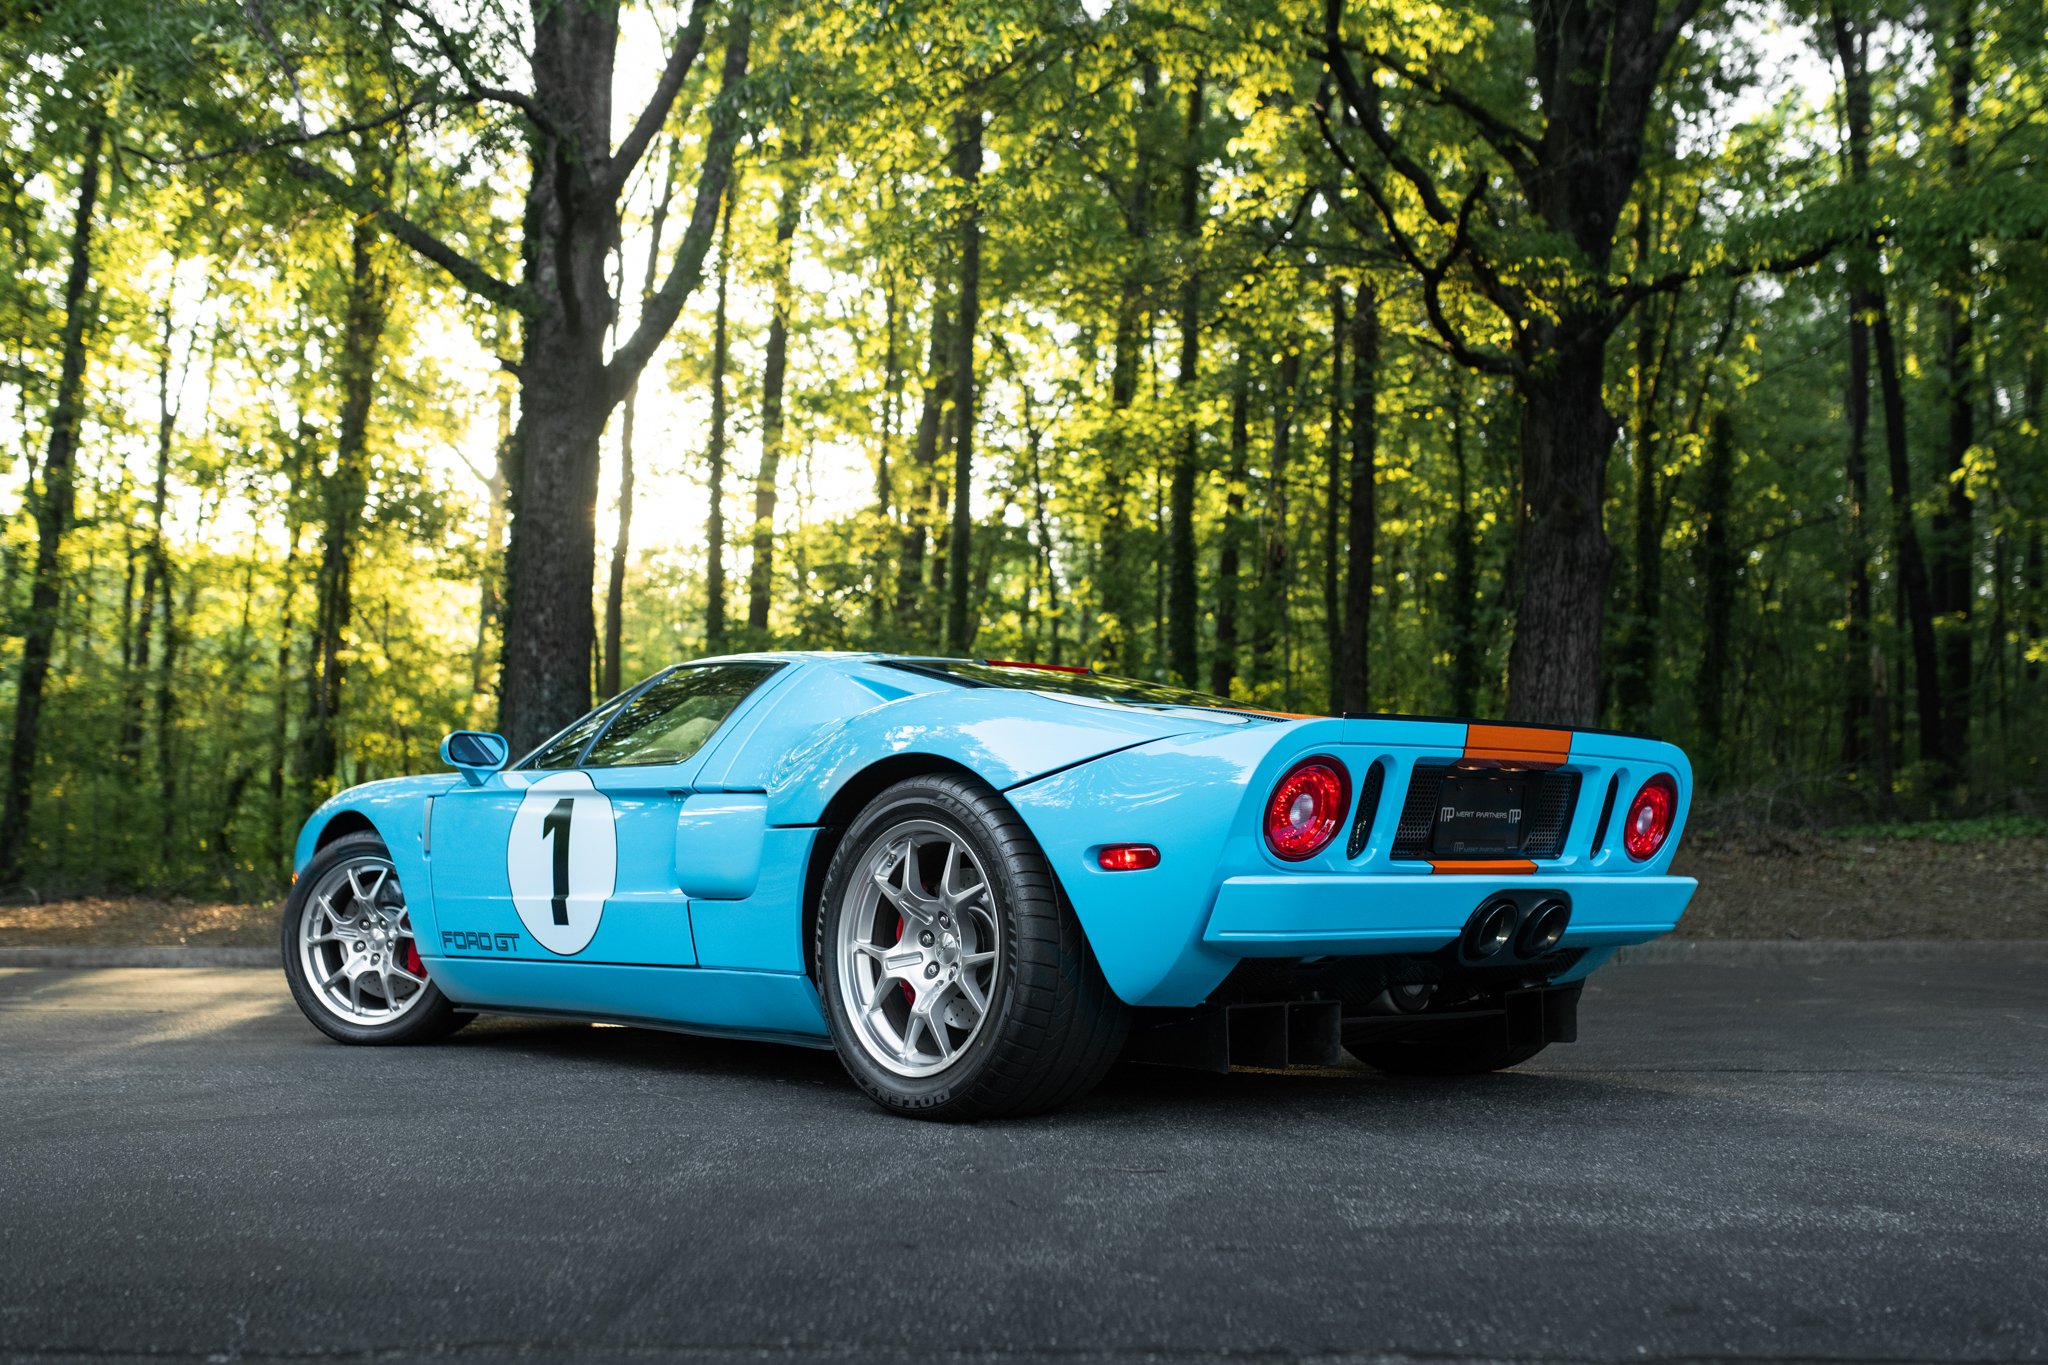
column 423, row 1019
column 1052, row 1026
column 1469, row 1057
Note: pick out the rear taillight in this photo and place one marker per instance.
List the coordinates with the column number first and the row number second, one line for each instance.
column 1649, row 819
column 1307, row 808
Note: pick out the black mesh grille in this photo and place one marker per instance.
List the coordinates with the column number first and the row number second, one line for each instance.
column 1368, row 806
column 1551, row 814
column 1418, row 813
column 1552, row 798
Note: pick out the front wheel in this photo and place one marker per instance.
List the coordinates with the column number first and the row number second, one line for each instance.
column 957, row 982
column 349, row 952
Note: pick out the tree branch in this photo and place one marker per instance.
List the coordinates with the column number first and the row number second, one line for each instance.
column 612, row 176
column 1674, row 24
column 493, row 94
column 1364, row 104
column 271, row 142
column 1633, row 293
column 277, row 53
column 687, row 268
column 464, row 271
column 1431, row 273
column 1512, row 144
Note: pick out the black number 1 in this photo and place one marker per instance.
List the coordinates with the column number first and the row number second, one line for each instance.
column 555, row 826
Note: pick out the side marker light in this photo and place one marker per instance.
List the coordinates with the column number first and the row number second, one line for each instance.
column 1127, row 857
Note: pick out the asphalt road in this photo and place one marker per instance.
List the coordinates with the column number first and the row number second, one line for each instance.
column 1815, row 1159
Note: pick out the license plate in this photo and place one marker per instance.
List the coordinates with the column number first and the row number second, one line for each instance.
column 1480, row 816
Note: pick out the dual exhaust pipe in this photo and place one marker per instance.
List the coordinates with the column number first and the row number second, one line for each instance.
column 1502, row 929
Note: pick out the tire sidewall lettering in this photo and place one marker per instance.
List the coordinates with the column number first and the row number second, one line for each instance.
column 562, row 808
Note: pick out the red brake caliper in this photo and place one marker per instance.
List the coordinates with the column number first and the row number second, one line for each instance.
column 412, row 959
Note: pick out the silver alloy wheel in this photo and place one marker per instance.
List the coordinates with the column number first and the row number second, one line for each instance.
column 353, row 935
column 919, row 949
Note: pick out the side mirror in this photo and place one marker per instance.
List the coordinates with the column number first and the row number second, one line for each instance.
column 475, row 753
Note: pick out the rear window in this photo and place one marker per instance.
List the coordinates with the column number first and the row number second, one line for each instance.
column 1068, row 682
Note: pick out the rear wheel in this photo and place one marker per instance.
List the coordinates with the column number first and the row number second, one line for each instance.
column 957, row 982
column 349, row 951
column 1468, row 1057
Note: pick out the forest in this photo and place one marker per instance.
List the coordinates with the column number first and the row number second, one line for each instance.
column 374, row 368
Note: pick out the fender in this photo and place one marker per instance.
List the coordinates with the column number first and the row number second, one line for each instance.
column 1003, row 737
column 400, row 810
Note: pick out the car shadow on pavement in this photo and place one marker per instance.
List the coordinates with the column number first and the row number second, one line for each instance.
column 1133, row 1094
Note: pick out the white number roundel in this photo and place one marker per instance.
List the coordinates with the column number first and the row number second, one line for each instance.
column 563, row 861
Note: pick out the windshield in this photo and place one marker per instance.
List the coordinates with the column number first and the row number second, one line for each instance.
column 1071, row 682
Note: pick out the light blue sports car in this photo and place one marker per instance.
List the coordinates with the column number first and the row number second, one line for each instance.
column 983, row 882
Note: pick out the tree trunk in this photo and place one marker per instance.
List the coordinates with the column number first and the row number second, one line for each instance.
column 1594, row 77
column 1223, row 668
column 492, row 575
column 2034, row 601
column 1865, row 718
column 1182, row 604
column 167, row 710
column 1464, row 567
column 1919, row 604
column 283, row 817
column 53, row 511
column 615, row 586
column 1953, row 531
column 1554, row 663
column 967, row 170
column 2037, row 601
column 567, row 385
column 1116, row 593
column 1361, row 520
column 1269, row 624
column 1635, row 665
column 1717, row 576
column 924, row 455
column 714, row 478
column 1866, row 271
column 885, row 456
column 1335, row 503
column 1117, row 584
column 344, row 494
column 775, row 368
column 156, row 561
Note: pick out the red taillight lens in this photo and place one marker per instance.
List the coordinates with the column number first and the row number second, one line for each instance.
column 1649, row 818
column 1126, row 857
column 1306, row 808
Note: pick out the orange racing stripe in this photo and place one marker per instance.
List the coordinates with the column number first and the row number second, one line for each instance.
column 1518, row 744
column 1521, row 745
column 1484, row 867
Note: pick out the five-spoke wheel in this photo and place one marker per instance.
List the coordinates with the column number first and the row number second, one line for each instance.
column 958, row 983
column 349, row 951
column 356, row 933
column 918, row 949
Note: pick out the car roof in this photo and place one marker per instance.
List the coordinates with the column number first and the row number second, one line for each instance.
column 833, row 657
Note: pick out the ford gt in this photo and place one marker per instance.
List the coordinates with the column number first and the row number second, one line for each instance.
column 983, row 882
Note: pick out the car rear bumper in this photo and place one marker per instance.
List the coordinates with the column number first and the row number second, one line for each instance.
column 1278, row 915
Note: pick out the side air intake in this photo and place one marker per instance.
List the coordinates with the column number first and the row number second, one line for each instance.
column 1368, row 808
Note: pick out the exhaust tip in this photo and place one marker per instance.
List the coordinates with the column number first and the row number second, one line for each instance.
column 1490, row 928
column 1544, row 929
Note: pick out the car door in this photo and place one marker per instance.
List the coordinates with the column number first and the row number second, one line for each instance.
column 469, row 842
column 570, row 857
column 642, row 769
